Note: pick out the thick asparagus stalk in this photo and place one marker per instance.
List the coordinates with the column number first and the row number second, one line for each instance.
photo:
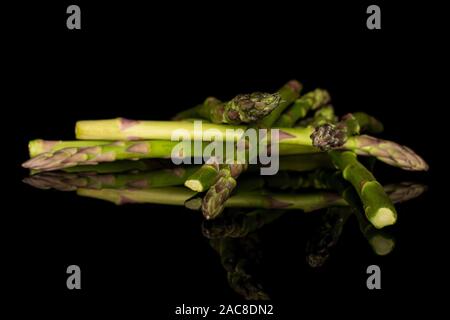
column 310, row 101
column 378, row 207
column 244, row 108
column 204, row 177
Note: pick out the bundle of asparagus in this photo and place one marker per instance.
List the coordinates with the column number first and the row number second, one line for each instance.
column 304, row 144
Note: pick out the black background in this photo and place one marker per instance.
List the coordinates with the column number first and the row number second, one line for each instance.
column 148, row 62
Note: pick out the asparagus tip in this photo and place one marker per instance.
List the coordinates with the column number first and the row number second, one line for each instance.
column 327, row 136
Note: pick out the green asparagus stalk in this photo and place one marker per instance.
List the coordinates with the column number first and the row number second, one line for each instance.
column 378, row 207
column 38, row 146
column 214, row 200
column 119, row 150
column 63, row 159
column 244, row 108
column 288, row 93
column 381, row 242
column 204, row 177
column 310, row 101
column 342, row 135
column 323, row 115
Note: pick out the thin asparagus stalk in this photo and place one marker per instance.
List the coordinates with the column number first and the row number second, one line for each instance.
column 321, row 116
column 310, row 101
column 38, row 146
column 367, row 123
column 244, row 108
column 289, row 93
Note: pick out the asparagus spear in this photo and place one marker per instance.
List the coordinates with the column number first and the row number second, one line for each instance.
column 38, row 146
column 214, row 201
column 244, row 108
column 329, row 136
column 57, row 158
column 310, row 101
column 378, row 207
column 289, row 92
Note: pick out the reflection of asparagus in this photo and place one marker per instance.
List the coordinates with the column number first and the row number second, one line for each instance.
column 140, row 180
column 239, row 257
column 326, row 236
column 321, row 116
column 236, row 225
column 257, row 199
